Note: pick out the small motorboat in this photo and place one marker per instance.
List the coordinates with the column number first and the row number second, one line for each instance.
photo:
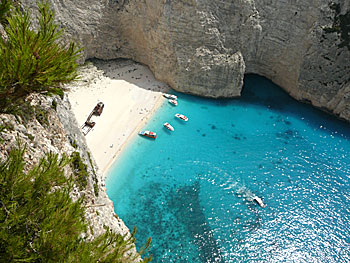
column 181, row 117
column 174, row 102
column 148, row 134
column 170, row 96
column 168, row 126
column 259, row 201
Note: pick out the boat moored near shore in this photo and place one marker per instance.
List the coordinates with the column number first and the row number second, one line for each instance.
column 170, row 96
column 148, row 134
column 181, row 117
column 173, row 102
column 168, row 126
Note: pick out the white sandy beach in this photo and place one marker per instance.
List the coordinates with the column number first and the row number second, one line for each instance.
column 130, row 94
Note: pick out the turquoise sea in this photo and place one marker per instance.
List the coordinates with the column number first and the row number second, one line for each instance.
column 191, row 190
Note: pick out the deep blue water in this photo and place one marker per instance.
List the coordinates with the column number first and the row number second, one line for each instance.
column 191, row 190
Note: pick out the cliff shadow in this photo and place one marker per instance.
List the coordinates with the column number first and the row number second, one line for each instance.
column 262, row 92
column 130, row 71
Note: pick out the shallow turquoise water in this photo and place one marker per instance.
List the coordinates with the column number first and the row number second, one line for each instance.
column 191, row 190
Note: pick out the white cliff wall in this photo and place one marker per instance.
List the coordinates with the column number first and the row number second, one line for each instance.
column 298, row 53
column 205, row 47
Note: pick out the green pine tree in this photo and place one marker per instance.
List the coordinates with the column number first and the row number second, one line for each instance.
column 39, row 222
column 34, row 61
column 5, row 6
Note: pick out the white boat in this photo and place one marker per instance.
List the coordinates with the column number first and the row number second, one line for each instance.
column 181, row 117
column 174, row 102
column 259, row 201
column 148, row 134
column 170, row 96
column 168, row 126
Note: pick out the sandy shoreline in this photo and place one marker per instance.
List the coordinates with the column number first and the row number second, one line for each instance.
column 141, row 124
column 130, row 94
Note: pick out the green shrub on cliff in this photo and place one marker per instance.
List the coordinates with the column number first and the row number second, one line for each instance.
column 80, row 170
column 5, row 6
column 39, row 222
column 34, row 60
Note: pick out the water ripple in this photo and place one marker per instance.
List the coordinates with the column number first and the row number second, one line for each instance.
column 194, row 194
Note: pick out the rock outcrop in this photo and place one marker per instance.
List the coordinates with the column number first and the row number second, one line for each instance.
column 53, row 128
column 205, row 47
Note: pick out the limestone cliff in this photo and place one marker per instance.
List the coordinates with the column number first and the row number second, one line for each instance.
column 53, row 128
column 205, row 47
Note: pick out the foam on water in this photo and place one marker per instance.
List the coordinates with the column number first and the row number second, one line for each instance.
column 192, row 190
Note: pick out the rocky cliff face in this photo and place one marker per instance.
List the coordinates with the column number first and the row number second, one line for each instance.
column 205, row 47
column 53, row 128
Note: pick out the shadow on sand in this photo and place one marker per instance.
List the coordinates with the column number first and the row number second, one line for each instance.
column 130, row 71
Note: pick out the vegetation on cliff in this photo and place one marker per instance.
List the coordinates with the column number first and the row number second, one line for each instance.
column 39, row 222
column 33, row 60
column 5, row 6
